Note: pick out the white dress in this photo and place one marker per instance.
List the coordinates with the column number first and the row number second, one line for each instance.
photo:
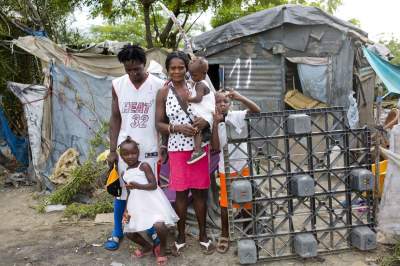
column 146, row 207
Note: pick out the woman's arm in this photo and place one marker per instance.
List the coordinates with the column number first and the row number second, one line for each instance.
column 161, row 116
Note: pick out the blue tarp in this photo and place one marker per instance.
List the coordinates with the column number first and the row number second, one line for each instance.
column 17, row 145
column 387, row 72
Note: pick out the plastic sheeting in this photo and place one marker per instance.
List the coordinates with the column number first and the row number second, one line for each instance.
column 18, row 145
column 314, row 81
column 97, row 64
column 389, row 210
column 272, row 18
column 32, row 98
column 80, row 103
column 387, row 72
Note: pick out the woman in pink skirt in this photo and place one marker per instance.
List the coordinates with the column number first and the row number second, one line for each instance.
column 172, row 106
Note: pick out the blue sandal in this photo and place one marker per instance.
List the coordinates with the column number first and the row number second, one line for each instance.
column 112, row 243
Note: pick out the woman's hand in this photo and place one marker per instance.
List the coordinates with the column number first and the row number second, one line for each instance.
column 187, row 130
column 200, row 124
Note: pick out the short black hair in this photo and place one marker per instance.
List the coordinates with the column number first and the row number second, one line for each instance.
column 177, row 54
column 129, row 140
column 132, row 53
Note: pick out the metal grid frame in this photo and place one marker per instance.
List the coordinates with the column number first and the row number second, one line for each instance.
column 327, row 154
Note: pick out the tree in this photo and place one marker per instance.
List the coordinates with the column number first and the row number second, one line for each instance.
column 393, row 43
column 37, row 15
column 158, row 29
column 355, row 22
column 119, row 32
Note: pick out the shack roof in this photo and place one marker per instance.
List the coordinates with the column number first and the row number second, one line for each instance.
column 271, row 18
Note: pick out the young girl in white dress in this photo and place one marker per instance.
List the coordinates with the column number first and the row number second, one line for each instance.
column 147, row 205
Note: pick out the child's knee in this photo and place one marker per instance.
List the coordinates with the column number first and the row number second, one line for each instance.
column 159, row 226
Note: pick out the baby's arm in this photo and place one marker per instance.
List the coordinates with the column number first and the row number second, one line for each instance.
column 152, row 185
column 200, row 92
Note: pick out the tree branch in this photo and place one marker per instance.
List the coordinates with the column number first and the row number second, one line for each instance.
column 155, row 24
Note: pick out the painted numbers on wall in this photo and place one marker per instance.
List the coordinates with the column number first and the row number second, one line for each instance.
column 236, row 71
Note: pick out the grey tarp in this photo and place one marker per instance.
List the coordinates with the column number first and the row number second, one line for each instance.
column 32, row 97
column 97, row 64
column 273, row 18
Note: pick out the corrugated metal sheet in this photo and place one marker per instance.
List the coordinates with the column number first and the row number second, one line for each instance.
column 258, row 79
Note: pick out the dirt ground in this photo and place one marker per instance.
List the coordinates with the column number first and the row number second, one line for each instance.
column 30, row 238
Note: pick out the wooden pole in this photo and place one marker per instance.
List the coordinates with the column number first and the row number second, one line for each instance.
column 377, row 147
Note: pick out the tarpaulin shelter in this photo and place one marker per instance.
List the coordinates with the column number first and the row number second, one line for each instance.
column 387, row 72
column 73, row 104
column 267, row 53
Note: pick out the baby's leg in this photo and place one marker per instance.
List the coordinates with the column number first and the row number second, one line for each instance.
column 138, row 239
column 197, row 141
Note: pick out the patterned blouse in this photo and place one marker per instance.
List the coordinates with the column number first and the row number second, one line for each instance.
column 177, row 116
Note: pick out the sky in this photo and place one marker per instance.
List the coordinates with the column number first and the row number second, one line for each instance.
column 377, row 17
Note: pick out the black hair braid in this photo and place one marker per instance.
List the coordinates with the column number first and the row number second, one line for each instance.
column 132, row 53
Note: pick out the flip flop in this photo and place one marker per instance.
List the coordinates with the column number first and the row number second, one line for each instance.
column 207, row 247
column 177, row 248
column 223, row 245
column 112, row 243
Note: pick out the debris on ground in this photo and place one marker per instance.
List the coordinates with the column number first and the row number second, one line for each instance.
column 104, row 218
column 67, row 162
column 55, row 208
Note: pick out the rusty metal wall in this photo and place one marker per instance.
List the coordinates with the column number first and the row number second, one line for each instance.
column 254, row 72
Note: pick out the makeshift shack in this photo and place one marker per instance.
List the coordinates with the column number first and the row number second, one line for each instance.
column 268, row 53
column 75, row 101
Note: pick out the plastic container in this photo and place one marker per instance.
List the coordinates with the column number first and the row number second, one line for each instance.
column 382, row 174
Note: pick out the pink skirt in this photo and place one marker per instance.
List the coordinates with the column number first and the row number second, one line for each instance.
column 185, row 176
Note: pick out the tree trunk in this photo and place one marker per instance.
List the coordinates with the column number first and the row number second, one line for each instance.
column 146, row 12
column 165, row 33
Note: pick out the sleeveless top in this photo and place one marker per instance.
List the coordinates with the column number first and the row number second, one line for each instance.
column 177, row 116
column 137, row 107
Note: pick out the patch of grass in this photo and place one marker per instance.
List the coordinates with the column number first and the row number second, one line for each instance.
column 103, row 205
column 82, row 177
column 394, row 258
